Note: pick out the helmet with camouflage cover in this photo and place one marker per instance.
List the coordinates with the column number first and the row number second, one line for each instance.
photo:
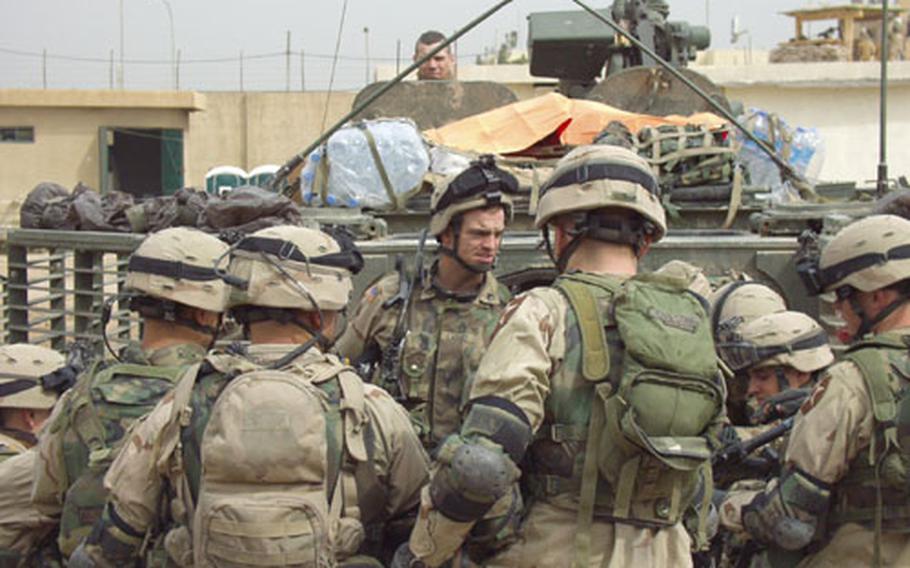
column 790, row 339
column 177, row 265
column 694, row 276
column 595, row 177
column 481, row 185
column 739, row 302
column 293, row 267
column 867, row 255
column 21, row 367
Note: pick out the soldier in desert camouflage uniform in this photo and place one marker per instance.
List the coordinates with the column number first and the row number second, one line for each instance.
column 174, row 287
column 24, row 407
column 843, row 493
column 451, row 314
column 532, row 403
column 295, row 282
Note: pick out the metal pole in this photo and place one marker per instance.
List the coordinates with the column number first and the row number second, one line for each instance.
column 120, row 79
column 177, row 72
column 110, row 72
column 366, row 51
column 44, row 68
column 283, row 172
column 302, row 73
column 241, row 70
column 287, row 63
column 785, row 167
column 881, row 185
column 170, row 19
column 397, row 57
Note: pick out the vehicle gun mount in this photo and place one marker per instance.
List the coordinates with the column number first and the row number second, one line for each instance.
column 577, row 50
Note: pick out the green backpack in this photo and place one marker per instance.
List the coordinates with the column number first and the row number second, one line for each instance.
column 652, row 429
column 102, row 406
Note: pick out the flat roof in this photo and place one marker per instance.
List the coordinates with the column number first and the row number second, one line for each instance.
column 857, row 11
column 189, row 101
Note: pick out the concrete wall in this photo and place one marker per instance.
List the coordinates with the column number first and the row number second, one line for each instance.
column 252, row 129
column 840, row 99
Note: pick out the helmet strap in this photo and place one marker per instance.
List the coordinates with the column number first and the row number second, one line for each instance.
column 782, row 383
column 867, row 325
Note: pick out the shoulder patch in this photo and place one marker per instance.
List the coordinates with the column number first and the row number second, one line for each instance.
column 507, row 313
column 816, row 395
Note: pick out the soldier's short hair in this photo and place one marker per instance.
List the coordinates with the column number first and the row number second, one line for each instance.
column 430, row 37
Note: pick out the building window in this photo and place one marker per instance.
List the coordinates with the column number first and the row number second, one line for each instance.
column 17, row 134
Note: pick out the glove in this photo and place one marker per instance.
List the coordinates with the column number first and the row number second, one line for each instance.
column 404, row 558
column 80, row 558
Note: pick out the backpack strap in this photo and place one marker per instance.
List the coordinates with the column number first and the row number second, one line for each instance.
column 595, row 353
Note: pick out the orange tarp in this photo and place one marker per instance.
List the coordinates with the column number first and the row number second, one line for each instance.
column 520, row 125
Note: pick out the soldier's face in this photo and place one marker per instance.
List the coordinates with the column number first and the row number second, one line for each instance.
column 440, row 67
column 763, row 383
column 480, row 237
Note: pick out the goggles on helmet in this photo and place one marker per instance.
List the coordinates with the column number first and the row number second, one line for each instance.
column 349, row 258
column 483, row 178
column 740, row 355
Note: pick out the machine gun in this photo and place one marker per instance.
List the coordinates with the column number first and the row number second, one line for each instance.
column 574, row 49
column 388, row 359
column 735, row 460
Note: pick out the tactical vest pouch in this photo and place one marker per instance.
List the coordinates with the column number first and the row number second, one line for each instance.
column 876, row 489
column 262, row 498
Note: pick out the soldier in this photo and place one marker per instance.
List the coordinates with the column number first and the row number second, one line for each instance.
column 173, row 286
column 440, row 67
column 842, row 493
column 778, row 352
column 296, row 281
column 781, row 354
column 542, row 395
column 732, row 305
column 445, row 322
column 24, row 407
column 694, row 276
column 24, row 403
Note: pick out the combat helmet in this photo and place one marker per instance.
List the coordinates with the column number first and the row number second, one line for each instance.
column 21, row 368
column 694, row 276
column 176, row 266
column 866, row 255
column 789, row 339
column 595, row 177
column 739, row 302
column 280, row 270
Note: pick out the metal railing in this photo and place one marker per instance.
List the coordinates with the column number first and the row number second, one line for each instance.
column 57, row 283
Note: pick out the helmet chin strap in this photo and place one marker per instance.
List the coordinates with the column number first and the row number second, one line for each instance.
column 867, row 324
column 453, row 253
column 782, row 383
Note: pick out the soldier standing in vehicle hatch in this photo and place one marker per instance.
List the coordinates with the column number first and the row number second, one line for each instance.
column 448, row 315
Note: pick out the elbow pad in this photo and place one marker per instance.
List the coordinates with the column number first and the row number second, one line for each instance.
column 472, row 476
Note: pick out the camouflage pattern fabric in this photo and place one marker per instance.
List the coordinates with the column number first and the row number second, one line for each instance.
column 21, row 526
column 445, row 341
column 88, row 424
column 840, row 412
column 534, row 361
column 149, row 463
